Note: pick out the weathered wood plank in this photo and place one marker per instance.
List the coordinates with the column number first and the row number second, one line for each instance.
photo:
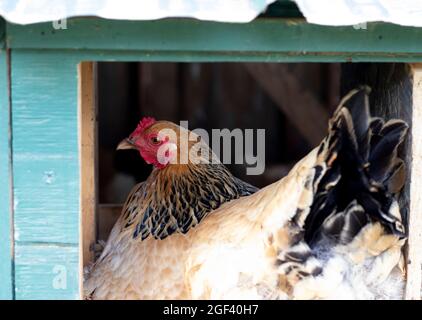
column 265, row 39
column 223, row 56
column 46, row 271
column 6, row 237
column 414, row 244
column 88, row 164
column 45, row 147
column 305, row 111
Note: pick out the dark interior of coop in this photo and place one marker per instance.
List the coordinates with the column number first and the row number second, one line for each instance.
column 291, row 101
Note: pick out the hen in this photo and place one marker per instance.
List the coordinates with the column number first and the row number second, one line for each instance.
column 331, row 229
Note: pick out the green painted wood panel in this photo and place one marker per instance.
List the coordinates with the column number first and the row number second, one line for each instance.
column 265, row 39
column 124, row 55
column 2, row 32
column 45, row 147
column 6, row 275
column 46, row 271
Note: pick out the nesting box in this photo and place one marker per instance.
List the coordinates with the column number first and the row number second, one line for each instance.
column 48, row 121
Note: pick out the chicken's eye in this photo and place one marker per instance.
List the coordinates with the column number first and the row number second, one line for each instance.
column 155, row 140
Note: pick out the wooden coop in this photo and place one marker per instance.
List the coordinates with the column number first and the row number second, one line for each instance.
column 55, row 82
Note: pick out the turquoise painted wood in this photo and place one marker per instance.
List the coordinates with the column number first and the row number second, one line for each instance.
column 46, row 271
column 265, row 39
column 45, row 147
column 46, row 172
column 6, row 254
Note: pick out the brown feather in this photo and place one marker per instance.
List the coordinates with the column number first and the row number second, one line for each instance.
column 255, row 247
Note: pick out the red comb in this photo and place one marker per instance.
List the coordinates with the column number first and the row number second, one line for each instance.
column 143, row 124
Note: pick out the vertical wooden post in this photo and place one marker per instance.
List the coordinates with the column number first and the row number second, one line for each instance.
column 88, row 147
column 414, row 245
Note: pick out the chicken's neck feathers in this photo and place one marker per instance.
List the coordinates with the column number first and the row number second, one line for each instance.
column 176, row 199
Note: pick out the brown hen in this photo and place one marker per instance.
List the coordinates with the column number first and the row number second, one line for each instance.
column 331, row 229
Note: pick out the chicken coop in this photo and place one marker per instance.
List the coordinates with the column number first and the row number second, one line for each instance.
column 74, row 80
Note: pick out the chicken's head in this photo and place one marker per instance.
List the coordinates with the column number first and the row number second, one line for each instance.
column 156, row 141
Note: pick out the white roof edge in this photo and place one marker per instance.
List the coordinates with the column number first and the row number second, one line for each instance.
column 34, row 11
column 353, row 12
column 322, row 12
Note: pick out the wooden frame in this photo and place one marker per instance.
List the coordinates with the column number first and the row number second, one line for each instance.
column 414, row 243
column 47, row 174
column 88, row 159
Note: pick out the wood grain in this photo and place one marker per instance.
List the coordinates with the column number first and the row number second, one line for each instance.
column 414, row 252
column 45, row 147
column 88, row 160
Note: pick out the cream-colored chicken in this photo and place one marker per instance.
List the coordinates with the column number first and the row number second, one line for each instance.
column 331, row 229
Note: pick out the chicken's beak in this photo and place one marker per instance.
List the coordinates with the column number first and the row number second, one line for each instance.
column 125, row 144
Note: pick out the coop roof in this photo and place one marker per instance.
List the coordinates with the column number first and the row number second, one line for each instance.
column 31, row 11
column 324, row 12
column 351, row 12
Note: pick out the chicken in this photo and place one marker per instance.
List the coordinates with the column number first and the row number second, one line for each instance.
column 331, row 229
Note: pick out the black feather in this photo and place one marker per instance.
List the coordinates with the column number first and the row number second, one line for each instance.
column 361, row 155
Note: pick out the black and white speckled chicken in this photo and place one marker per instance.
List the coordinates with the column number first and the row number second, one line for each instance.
column 330, row 229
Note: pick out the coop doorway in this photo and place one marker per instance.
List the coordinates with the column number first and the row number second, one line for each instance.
column 292, row 102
